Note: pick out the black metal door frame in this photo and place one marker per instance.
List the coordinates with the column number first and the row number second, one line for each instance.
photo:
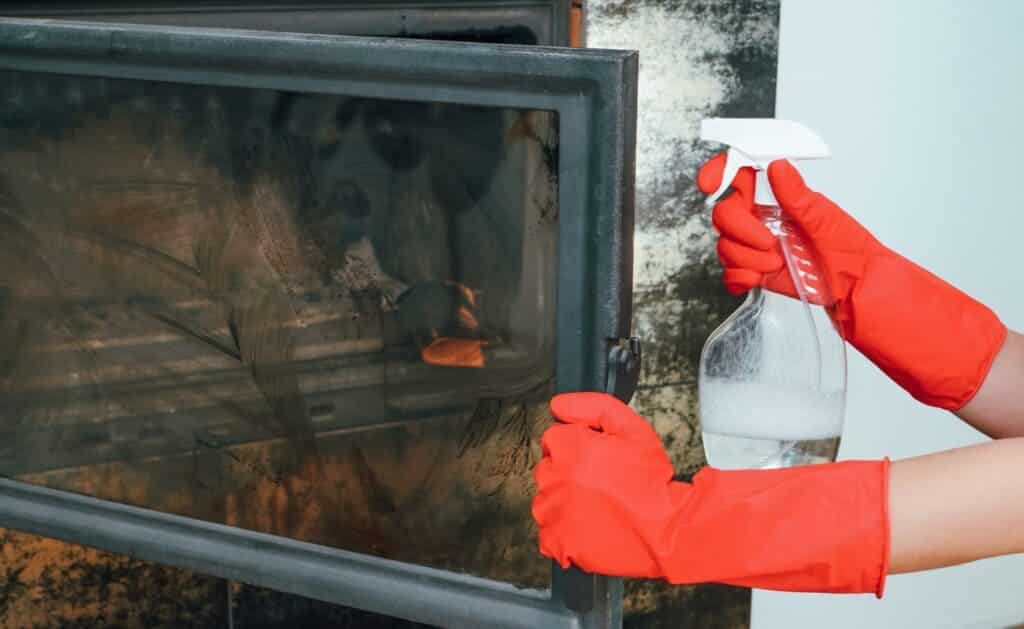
column 547, row 19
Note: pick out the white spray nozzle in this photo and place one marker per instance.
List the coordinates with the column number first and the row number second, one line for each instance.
column 756, row 142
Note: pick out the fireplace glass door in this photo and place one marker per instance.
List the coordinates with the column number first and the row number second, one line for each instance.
column 309, row 315
column 305, row 287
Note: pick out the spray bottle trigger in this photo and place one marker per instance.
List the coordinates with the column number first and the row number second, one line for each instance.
column 734, row 161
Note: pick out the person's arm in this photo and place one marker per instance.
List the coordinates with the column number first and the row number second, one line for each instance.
column 957, row 506
column 607, row 503
column 998, row 408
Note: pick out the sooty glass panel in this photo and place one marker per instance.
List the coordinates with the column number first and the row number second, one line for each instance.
column 322, row 317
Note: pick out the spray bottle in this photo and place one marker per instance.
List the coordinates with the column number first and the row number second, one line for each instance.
column 772, row 381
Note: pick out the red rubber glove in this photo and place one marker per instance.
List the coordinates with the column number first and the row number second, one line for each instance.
column 607, row 503
column 932, row 339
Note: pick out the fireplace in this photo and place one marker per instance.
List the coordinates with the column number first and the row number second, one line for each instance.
column 286, row 307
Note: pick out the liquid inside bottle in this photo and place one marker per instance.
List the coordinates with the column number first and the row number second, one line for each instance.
column 772, row 379
column 755, row 425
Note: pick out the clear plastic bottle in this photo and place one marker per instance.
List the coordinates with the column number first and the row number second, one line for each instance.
column 772, row 381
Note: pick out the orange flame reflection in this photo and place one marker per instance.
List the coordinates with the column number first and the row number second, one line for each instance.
column 454, row 352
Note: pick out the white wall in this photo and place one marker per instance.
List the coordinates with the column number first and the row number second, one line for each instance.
column 922, row 102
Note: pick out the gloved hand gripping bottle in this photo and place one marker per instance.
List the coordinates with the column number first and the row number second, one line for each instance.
column 772, row 382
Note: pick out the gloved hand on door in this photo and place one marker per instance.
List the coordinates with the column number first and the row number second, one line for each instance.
column 607, row 503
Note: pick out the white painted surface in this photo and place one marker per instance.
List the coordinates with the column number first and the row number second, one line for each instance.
column 922, row 103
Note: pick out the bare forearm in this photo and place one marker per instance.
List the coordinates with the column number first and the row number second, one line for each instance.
column 998, row 408
column 957, row 506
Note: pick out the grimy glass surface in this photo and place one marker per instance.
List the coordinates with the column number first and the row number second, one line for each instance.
column 321, row 317
column 48, row 584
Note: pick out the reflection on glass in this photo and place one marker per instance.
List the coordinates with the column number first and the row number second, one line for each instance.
column 317, row 316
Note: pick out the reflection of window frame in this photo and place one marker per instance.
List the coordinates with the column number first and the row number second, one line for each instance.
column 594, row 94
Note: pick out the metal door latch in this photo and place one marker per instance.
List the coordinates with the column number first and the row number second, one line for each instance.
column 624, row 368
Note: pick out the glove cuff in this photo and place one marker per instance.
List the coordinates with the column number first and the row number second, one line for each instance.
column 932, row 339
column 815, row 528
